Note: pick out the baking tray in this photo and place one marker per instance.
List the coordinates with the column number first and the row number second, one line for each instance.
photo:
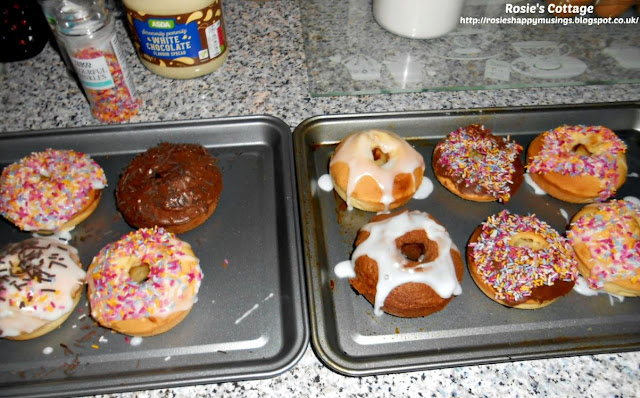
column 250, row 320
column 473, row 329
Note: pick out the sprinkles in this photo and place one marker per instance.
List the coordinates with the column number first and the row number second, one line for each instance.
column 171, row 285
column 115, row 104
column 514, row 271
column 472, row 156
column 32, row 293
column 612, row 235
column 557, row 155
column 44, row 190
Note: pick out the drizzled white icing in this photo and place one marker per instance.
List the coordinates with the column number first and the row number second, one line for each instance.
column 564, row 214
column 344, row 269
column 536, row 189
column 62, row 235
column 357, row 152
column 425, row 189
column 582, row 287
column 439, row 274
column 136, row 341
column 633, row 200
column 40, row 290
column 325, row 183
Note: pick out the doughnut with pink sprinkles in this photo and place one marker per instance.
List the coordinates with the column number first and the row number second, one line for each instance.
column 556, row 155
column 44, row 190
column 172, row 283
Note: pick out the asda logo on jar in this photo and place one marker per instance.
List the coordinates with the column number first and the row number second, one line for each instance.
column 161, row 23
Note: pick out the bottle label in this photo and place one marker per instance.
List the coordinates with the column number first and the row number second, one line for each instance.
column 93, row 73
column 117, row 51
column 181, row 40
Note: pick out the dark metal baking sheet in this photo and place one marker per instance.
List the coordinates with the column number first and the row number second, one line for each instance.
column 250, row 320
column 473, row 329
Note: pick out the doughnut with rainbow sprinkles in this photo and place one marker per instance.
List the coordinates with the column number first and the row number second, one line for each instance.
column 144, row 284
column 477, row 165
column 606, row 239
column 51, row 191
column 578, row 164
column 520, row 261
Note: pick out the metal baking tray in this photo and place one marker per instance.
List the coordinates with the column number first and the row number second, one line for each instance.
column 473, row 329
column 250, row 320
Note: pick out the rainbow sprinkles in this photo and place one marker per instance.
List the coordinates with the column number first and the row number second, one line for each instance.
column 521, row 268
column 612, row 235
column 557, row 155
column 44, row 190
column 172, row 283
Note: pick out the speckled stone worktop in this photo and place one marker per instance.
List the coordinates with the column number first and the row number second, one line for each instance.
column 266, row 74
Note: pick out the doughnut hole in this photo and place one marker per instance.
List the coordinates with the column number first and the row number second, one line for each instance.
column 581, row 150
column 380, row 158
column 587, row 146
column 528, row 239
column 475, row 155
column 416, row 247
column 413, row 251
column 139, row 273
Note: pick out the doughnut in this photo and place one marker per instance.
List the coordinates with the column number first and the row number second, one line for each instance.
column 144, row 284
column 520, row 261
column 51, row 191
column 174, row 186
column 578, row 164
column 612, row 8
column 405, row 264
column 606, row 240
column 376, row 170
column 477, row 165
column 41, row 281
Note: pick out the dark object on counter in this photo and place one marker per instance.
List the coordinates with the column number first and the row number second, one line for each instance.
column 23, row 31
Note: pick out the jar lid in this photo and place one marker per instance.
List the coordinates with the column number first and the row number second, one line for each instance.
column 80, row 17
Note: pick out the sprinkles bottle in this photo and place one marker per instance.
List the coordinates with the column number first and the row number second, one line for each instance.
column 88, row 33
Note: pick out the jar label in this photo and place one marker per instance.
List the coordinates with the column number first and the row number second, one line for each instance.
column 126, row 75
column 179, row 40
column 93, row 73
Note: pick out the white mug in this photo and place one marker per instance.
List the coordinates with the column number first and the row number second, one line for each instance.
column 418, row 19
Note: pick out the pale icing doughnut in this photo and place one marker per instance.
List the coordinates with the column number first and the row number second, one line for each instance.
column 400, row 283
column 606, row 239
column 477, row 165
column 50, row 190
column 578, row 164
column 40, row 283
column 376, row 170
column 157, row 301
column 520, row 261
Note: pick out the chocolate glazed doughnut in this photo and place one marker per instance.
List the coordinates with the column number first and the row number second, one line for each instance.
column 477, row 165
column 174, row 186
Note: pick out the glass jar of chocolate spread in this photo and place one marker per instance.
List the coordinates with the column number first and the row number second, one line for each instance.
column 178, row 39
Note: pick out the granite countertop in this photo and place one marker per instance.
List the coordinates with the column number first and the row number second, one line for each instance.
column 266, row 74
